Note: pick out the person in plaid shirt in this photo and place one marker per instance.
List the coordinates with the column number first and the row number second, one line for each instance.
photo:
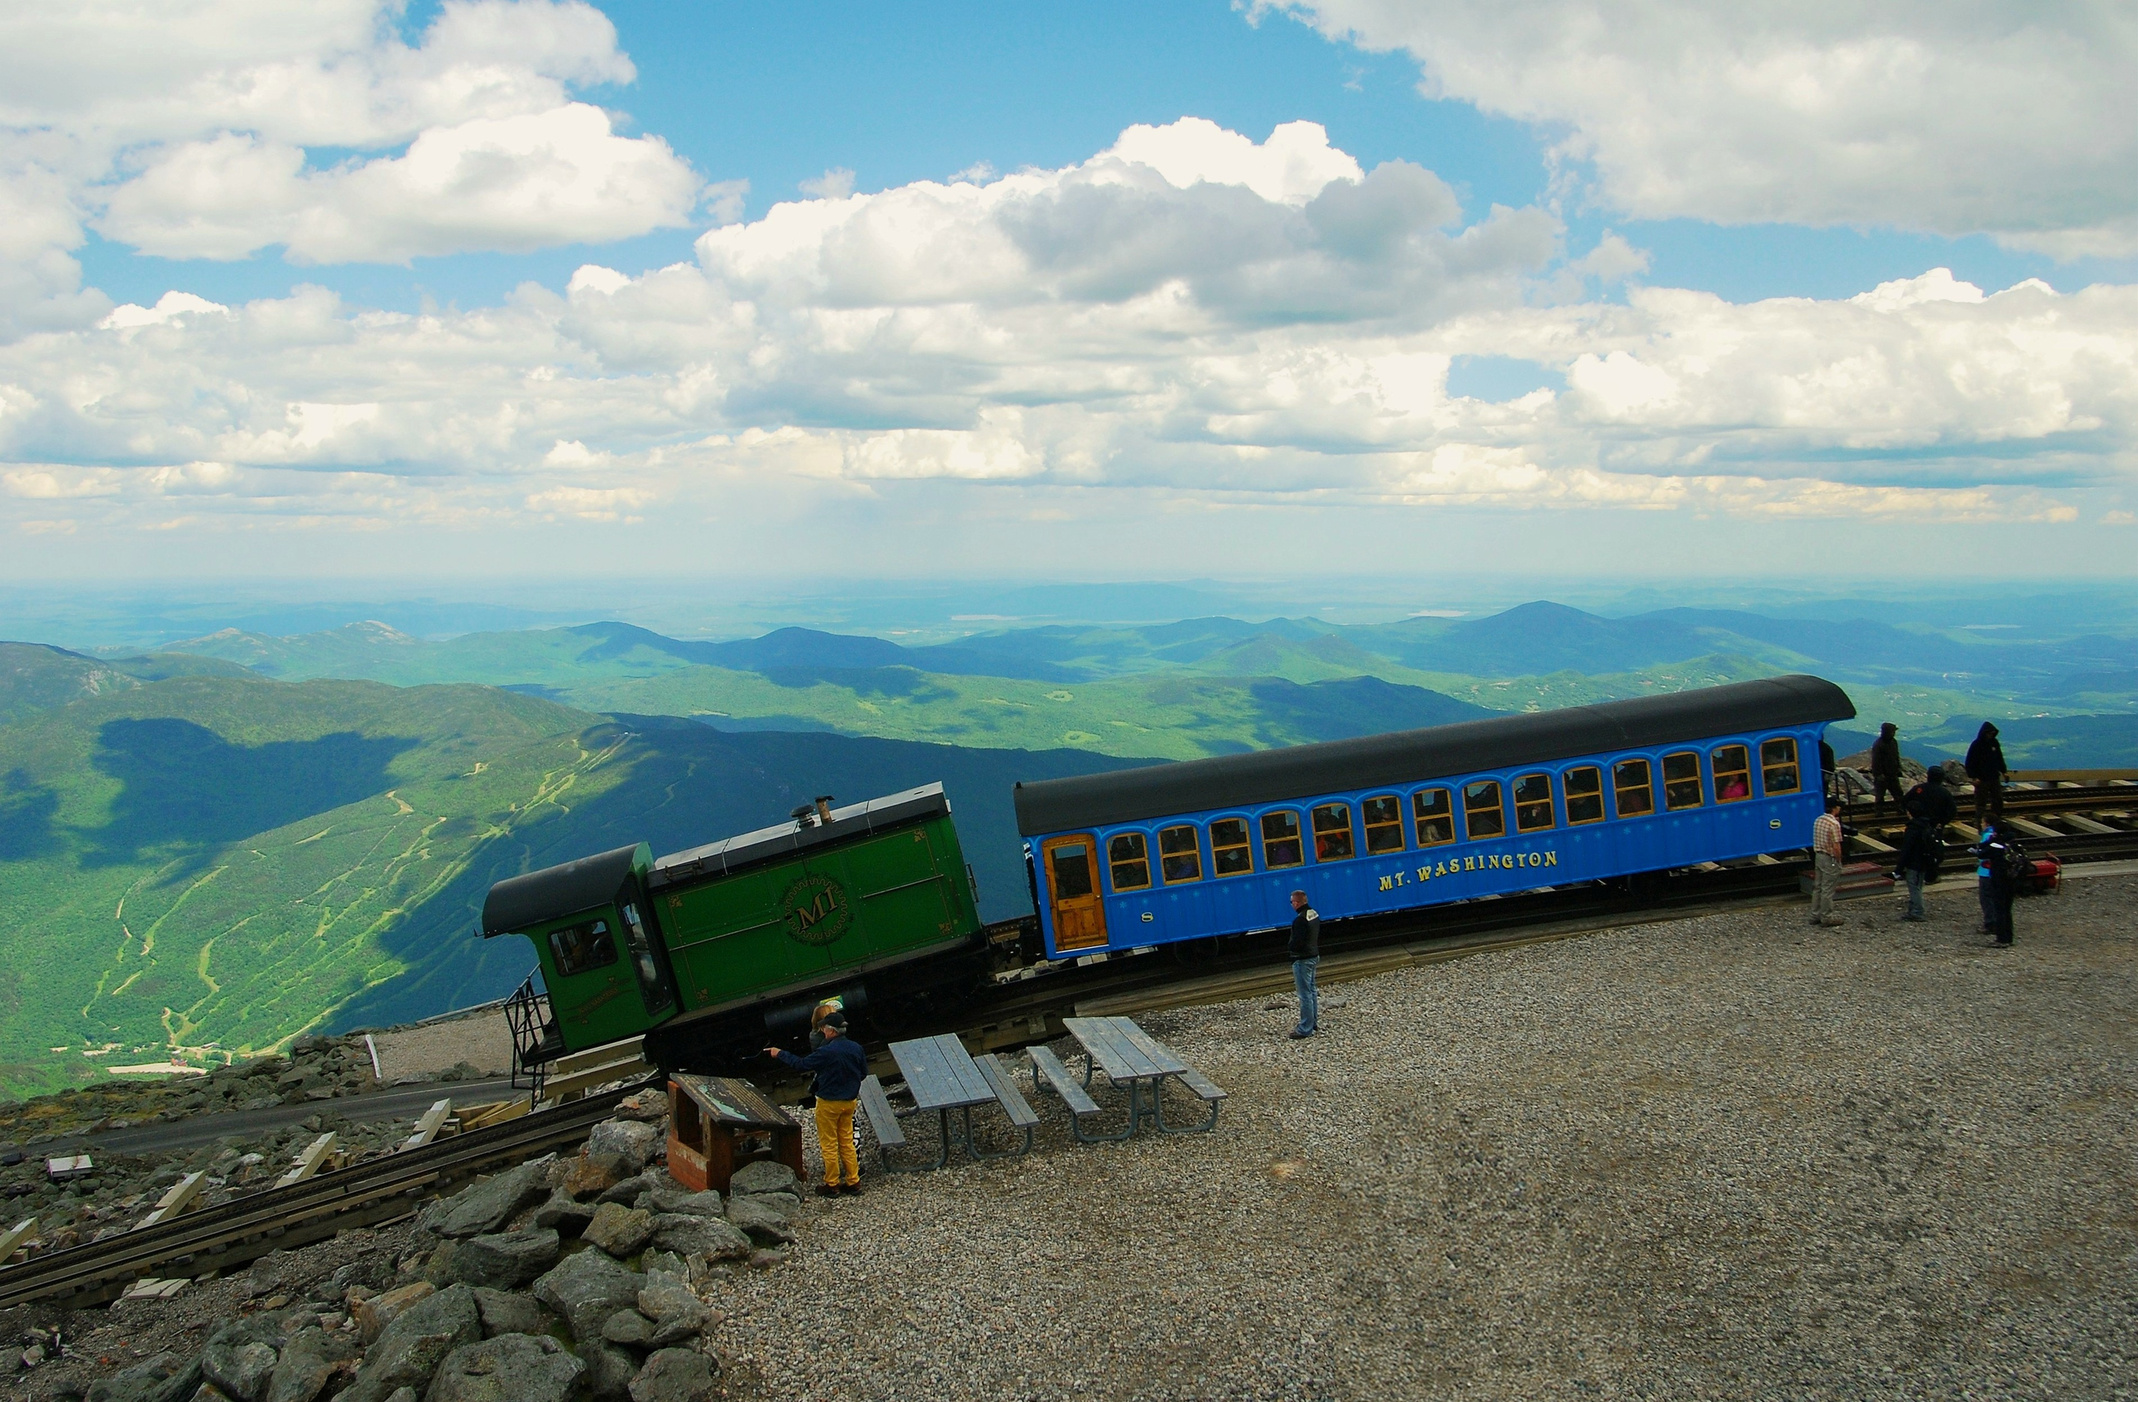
column 1826, row 863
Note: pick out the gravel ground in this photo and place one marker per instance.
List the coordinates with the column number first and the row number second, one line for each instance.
column 1733, row 1156
column 481, row 1039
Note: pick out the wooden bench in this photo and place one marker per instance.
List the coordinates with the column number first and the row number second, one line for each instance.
column 883, row 1120
column 1047, row 1069
column 1022, row 1115
column 1192, row 1080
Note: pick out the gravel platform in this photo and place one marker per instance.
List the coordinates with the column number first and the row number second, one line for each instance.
column 1735, row 1156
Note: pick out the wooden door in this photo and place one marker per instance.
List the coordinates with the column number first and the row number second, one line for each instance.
column 1073, row 892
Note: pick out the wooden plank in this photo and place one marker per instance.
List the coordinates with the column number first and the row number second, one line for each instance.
column 2075, row 776
column 629, row 1049
column 178, row 1199
column 882, row 1118
column 427, row 1127
column 940, row 1073
column 1007, row 1095
column 1163, row 1059
column 1065, row 1085
column 558, row 1089
column 1202, row 1085
column 15, row 1236
column 2029, row 829
column 1105, row 1046
column 309, row 1161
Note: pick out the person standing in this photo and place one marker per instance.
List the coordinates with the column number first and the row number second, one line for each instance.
column 1929, row 807
column 1985, row 765
column 840, row 1067
column 1305, row 949
column 1885, row 768
column 1826, row 863
column 1994, row 859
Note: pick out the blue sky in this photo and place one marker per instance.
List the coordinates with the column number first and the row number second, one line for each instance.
column 365, row 287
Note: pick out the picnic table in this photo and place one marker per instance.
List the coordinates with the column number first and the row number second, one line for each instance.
column 1130, row 1057
column 944, row 1077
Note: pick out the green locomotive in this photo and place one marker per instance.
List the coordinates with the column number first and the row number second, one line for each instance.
column 709, row 950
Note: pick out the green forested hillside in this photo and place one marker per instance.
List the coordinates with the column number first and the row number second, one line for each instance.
column 35, row 677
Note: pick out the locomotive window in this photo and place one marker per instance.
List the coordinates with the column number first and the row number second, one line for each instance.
column 1130, row 858
column 1482, row 815
column 1681, row 780
column 1072, row 871
column 578, row 948
column 1778, row 766
column 1533, row 803
column 1280, row 841
column 1733, row 773
column 1230, row 852
column 1636, row 794
column 1384, row 824
column 1435, row 819
column 1180, row 854
column 1584, row 795
column 1332, row 832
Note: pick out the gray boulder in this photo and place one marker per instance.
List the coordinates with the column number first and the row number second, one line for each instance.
column 671, row 1196
column 309, row 1360
column 621, row 1231
column 763, row 1176
column 787, row 1205
column 504, row 1312
column 508, row 1368
column 710, row 1237
column 673, row 1375
column 488, row 1205
column 629, row 1190
column 633, row 1139
column 676, row 1311
column 241, row 1370
column 629, row 1328
column 563, row 1214
column 586, row 1288
column 763, row 1225
column 411, row 1348
column 506, row 1260
column 160, row 1379
column 609, row 1371
column 665, row 1263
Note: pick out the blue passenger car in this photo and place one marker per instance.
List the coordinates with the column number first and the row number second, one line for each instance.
column 1391, row 822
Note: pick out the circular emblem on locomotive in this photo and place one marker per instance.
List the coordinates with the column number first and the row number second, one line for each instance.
column 816, row 910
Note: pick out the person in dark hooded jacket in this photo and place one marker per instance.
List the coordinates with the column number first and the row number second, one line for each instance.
column 1929, row 806
column 1985, row 765
column 1885, row 768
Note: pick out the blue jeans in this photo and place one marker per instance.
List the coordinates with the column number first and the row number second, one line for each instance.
column 1915, row 892
column 1303, row 984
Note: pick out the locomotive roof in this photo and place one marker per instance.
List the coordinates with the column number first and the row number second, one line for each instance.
column 521, row 901
column 1406, row 756
column 768, row 844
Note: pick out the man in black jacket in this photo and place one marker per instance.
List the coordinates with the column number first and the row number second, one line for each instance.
column 1929, row 806
column 1885, row 768
column 1994, row 860
column 1985, row 765
column 840, row 1067
column 1305, row 949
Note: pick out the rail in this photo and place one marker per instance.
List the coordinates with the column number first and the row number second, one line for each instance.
column 235, row 1233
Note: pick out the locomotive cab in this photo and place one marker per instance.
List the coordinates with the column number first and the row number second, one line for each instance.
column 598, row 949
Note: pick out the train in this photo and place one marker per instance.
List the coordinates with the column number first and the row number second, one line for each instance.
column 710, row 951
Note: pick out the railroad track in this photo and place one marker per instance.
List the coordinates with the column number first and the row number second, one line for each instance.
column 236, row 1233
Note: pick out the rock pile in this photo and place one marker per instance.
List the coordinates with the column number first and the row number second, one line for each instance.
column 593, row 1275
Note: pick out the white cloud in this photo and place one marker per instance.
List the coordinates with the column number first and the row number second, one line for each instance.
column 217, row 128
column 1101, row 328
column 2014, row 119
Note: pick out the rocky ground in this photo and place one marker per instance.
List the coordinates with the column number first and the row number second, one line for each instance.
column 1730, row 1156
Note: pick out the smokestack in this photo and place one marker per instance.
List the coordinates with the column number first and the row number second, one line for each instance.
column 823, row 808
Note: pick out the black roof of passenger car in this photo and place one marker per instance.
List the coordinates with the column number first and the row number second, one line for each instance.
column 519, row 902
column 1408, row 756
column 785, row 839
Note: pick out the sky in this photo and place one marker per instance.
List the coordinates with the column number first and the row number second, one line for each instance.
column 530, row 290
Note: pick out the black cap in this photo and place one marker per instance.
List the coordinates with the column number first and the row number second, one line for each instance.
column 835, row 1019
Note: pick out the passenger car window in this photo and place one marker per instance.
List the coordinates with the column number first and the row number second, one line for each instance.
column 1332, row 832
column 1384, row 824
column 1533, row 803
column 1636, row 792
column 1681, row 781
column 1584, row 795
column 1230, row 852
column 1733, row 773
column 1482, row 815
column 1130, row 857
column 1778, row 766
column 1072, row 871
column 1280, row 841
column 1180, row 854
column 586, row 945
column 1435, row 820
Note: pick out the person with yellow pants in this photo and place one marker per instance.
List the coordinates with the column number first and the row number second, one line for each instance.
column 840, row 1067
